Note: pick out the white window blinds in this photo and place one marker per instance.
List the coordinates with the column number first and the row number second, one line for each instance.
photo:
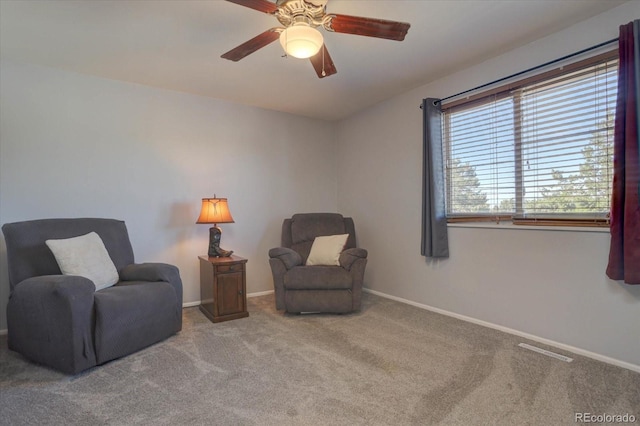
column 539, row 149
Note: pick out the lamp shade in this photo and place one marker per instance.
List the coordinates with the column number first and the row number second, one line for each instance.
column 215, row 210
column 301, row 41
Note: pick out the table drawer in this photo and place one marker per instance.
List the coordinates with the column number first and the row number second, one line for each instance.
column 221, row 269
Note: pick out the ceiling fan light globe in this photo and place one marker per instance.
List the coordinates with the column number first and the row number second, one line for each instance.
column 301, row 41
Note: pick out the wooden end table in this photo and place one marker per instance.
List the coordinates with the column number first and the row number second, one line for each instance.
column 223, row 287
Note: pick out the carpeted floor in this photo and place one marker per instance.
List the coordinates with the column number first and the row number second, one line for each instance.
column 390, row 364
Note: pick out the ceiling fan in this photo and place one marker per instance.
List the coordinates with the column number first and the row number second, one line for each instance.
column 299, row 36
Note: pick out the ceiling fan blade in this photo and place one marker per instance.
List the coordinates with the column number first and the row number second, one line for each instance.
column 322, row 63
column 248, row 47
column 259, row 5
column 369, row 27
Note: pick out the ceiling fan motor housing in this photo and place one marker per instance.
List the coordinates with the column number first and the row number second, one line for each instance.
column 311, row 13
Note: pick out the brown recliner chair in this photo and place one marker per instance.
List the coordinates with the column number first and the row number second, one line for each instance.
column 319, row 288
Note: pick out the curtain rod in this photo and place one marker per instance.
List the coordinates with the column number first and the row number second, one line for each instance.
column 613, row 40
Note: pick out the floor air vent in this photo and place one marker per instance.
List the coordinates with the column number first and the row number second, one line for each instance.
column 546, row 352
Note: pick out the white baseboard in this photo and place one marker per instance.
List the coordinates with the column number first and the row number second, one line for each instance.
column 260, row 293
column 256, row 294
column 569, row 348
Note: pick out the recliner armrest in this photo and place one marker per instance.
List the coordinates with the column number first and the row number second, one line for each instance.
column 148, row 272
column 49, row 319
column 65, row 286
column 349, row 256
column 289, row 257
column 154, row 272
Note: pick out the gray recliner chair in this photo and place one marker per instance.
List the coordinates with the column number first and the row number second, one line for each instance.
column 330, row 289
column 61, row 321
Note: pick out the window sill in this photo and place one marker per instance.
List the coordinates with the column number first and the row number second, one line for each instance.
column 508, row 225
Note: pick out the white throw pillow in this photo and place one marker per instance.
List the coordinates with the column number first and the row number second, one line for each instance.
column 326, row 250
column 86, row 256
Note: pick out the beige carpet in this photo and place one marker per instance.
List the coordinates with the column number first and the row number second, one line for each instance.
column 391, row 364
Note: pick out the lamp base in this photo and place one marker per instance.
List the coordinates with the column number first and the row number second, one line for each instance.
column 215, row 234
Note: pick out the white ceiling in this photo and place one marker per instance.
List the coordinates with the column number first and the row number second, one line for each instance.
column 177, row 45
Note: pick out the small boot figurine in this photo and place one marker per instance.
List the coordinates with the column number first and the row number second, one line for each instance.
column 215, row 234
column 222, row 252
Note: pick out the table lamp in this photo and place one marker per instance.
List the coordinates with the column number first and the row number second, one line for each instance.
column 215, row 210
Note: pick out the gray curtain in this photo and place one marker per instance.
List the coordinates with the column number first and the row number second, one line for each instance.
column 435, row 240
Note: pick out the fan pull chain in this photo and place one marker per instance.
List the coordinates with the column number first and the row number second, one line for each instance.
column 286, row 43
column 324, row 74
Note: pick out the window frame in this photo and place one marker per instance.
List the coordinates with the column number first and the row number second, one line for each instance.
column 511, row 89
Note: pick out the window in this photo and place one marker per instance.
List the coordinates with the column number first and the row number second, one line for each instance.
column 537, row 150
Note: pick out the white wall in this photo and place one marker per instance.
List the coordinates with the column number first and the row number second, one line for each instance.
column 550, row 284
column 79, row 146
